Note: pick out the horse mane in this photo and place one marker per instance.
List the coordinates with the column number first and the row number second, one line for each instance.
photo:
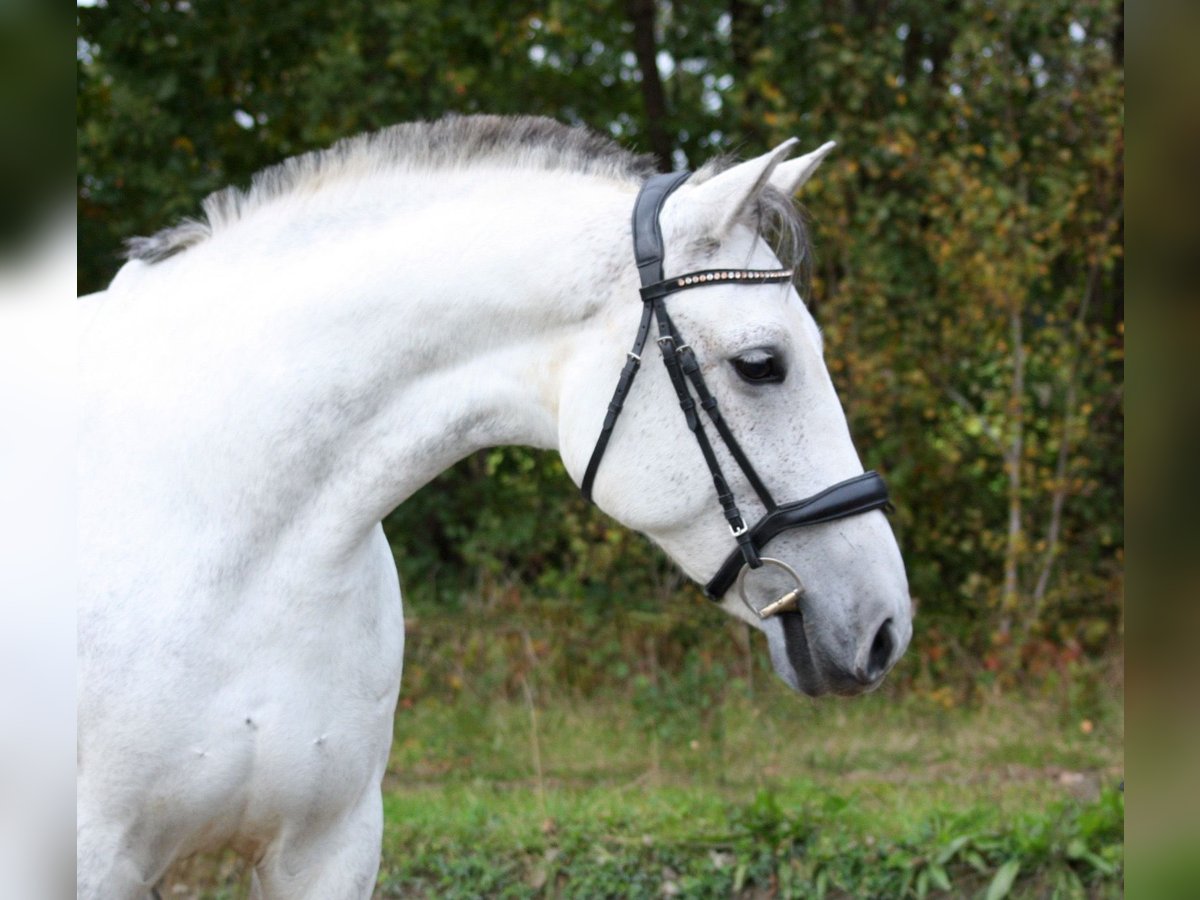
column 454, row 141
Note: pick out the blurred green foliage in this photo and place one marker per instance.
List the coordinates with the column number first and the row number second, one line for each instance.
column 969, row 276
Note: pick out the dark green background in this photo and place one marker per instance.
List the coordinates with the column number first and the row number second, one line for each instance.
column 969, row 236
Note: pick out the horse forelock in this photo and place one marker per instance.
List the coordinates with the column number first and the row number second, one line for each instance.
column 778, row 219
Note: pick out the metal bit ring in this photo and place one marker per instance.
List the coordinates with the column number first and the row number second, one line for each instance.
column 790, row 600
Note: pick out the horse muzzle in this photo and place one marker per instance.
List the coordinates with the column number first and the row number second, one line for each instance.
column 813, row 663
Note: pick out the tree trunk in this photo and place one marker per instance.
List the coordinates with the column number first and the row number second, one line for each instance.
column 745, row 37
column 645, row 48
column 1012, row 462
column 1118, row 37
column 1059, row 498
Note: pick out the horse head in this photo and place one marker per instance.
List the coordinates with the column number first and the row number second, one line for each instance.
column 760, row 420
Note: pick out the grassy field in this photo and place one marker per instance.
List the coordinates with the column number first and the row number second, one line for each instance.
column 755, row 795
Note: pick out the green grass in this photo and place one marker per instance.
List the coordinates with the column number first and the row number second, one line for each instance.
column 770, row 796
column 763, row 795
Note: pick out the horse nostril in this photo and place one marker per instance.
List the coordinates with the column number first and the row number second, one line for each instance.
column 881, row 650
column 880, row 655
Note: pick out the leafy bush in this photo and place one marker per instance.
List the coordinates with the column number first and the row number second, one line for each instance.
column 969, row 276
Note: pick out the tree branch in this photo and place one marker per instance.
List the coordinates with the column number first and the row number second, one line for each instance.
column 1059, row 499
column 961, row 401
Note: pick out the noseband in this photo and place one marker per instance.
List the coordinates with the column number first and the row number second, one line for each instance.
column 859, row 494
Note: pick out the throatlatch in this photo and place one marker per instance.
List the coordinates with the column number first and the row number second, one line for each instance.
column 859, row 494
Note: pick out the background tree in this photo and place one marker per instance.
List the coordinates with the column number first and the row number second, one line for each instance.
column 968, row 231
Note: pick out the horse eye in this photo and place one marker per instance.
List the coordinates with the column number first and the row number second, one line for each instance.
column 759, row 367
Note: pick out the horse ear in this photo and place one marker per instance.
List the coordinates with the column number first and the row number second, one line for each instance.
column 720, row 201
column 790, row 176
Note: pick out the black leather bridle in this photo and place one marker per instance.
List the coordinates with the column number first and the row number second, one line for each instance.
column 859, row 494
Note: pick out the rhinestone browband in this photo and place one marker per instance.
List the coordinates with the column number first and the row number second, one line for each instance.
column 735, row 275
column 715, row 276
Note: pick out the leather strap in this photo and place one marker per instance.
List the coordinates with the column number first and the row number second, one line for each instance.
column 648, row 253
column 669, row 343
column 647, row 230
column 691, row 368
column 856, row 495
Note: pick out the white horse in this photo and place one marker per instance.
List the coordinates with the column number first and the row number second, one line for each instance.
column 262, row 387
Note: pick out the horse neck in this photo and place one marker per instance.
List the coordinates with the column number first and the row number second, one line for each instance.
column 430, row 325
